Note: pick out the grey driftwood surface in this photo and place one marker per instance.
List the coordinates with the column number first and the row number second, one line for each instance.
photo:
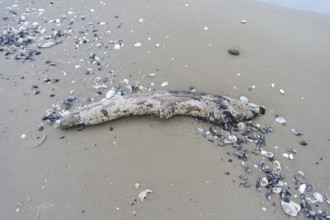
column 213, row 108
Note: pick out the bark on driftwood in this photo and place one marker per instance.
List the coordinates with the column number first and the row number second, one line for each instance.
column 213, row 108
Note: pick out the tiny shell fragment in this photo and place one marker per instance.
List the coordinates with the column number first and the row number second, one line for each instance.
column 280, row 120
column 138, row 44
column 142, row 195
column 47, row 45
column 164, row 84
column 282, row 91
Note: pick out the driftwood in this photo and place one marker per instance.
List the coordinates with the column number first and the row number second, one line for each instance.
column 213, row 108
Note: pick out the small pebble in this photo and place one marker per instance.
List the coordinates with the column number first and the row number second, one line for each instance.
column 234, row 52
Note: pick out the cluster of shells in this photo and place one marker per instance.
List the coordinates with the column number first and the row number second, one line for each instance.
column 273, row 181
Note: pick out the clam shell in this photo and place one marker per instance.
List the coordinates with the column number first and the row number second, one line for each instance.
column 276, row 165
column 318, row 197
column 289, row 209
column 264, row 181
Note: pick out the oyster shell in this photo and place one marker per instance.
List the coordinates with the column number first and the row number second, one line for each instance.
column 295, row 205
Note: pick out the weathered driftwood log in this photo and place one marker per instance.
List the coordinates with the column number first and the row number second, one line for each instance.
column 213, row 108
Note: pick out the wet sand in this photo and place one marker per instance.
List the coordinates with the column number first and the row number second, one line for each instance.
column 91, row 174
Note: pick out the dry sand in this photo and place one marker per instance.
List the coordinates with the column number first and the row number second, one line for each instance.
column 91, row 174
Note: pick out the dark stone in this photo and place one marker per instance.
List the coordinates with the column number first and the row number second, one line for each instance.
column 234, row 52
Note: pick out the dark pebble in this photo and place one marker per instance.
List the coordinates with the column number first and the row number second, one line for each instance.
column 303, row 143
column 227, row 173
column 35, row 86
column 234, row 52
column 111, row 128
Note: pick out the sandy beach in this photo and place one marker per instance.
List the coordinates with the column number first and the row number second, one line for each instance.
column 98, row 172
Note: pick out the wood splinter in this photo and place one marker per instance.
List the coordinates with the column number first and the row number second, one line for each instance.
column 217, row 109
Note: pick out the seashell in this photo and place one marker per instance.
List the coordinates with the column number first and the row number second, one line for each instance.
column 285, row 155
column 318, row 197
column 277, row 190
column 142, row 195
column 295, row 132
column 47, row 45
column 267, row 154
column 264, row 181
column 295, row 205
column 328, row 200
column 282, row 91
column 110, row 93
column 291, row 156
column 164, row 84
column 289, row 209
column 280, row 120
column 230, row 139
column 276, row 166
column 138, row 44
column 244, row 99
column 302, row 188
column 117, row 46
column 241, row 126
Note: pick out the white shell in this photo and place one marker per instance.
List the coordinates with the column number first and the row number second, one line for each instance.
column 241, row 126
column 302, row 188
column 230, row 139
column 282, row 91
column 142, row 195
column 264, row 181
column 267, row 154
column 164, row 84
column 277, row 190
column 244, row 99
column 110, row 93
column 295, row 205
column 318, row 197
column 138, row 44
column 276, row 165
column 289, row 208
column 280, row 120
column 47, row 45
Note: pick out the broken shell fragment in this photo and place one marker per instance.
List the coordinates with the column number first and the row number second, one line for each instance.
column 230, row 139
column 277, row 190
column 241, row 126
column 47, row 45
column 318, row 197
column 289, row 208
column 142, row 195
column 295, row 205
column 276, row 166
column 264, row 181
column 244, row 99
column 110, row 94
column 302, row 188
column 267, row 154
column 280, row 120
column 164, row 84
column 295, row 132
